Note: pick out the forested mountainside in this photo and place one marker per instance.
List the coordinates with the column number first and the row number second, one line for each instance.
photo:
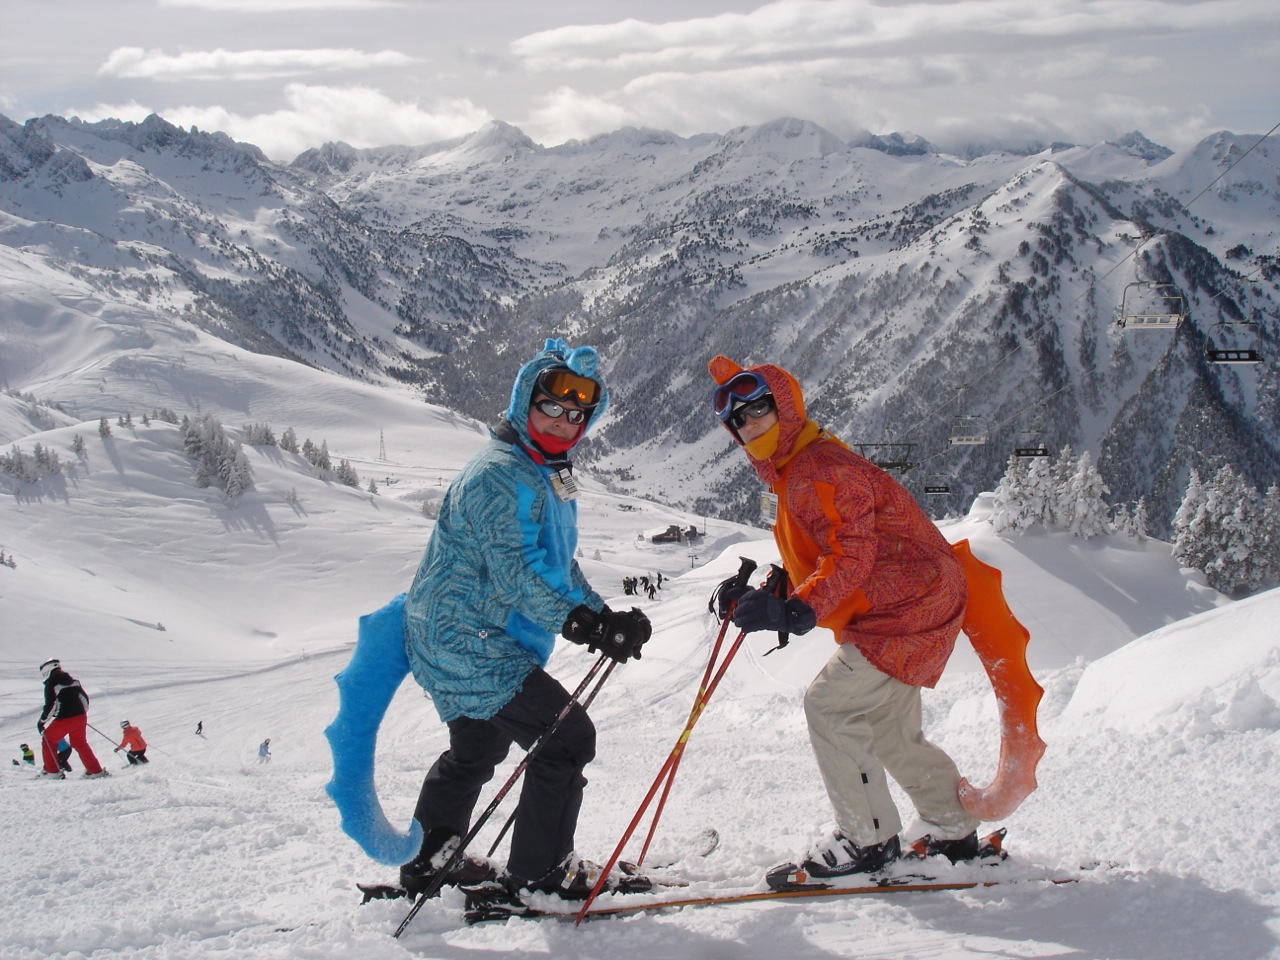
column 916, row 295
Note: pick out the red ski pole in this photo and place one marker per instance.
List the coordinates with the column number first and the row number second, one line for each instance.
column 745, row 568
column 667, row 767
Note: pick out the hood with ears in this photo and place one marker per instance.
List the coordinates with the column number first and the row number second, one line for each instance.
column 583, row 361
column 790, row 403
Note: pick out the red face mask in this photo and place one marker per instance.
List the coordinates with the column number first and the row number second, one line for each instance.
column 553, row 445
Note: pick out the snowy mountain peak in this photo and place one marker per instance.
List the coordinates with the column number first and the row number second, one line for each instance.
column 496, row 141
column 895, row 144
column 1137, row 145
column 786, row 139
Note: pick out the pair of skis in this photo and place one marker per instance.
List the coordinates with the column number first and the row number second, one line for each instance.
column 908, row 875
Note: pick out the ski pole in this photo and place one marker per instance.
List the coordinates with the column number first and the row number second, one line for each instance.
column 745, row 568
column 586, row 705
column 104, row 736
column 438, row 881
column 671, row 760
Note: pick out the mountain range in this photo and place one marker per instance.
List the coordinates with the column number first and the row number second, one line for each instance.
column 920, row 297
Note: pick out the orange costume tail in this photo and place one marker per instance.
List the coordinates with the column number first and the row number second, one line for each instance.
column 1001, row 643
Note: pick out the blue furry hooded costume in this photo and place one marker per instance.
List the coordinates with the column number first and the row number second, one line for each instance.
column 499, row 576
column 496, row 583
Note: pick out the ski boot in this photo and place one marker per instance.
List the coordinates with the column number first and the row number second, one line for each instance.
column 575, row 878
column 438, row 847
column 833, row 857
column 963, row 850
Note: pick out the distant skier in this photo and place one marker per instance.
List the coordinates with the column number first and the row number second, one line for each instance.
column 131, row 741
column 200, row 729
column 264, row 751
column 869, row 565
column 66, row 713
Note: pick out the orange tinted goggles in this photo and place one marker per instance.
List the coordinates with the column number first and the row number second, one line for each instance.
column 564, row 384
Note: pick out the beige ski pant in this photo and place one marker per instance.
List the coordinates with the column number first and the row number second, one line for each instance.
column 863, row 722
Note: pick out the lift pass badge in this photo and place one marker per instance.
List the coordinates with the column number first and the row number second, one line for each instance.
column 565, row 486
column 768, row 507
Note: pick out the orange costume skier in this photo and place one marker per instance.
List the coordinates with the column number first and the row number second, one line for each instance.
column 868, row 564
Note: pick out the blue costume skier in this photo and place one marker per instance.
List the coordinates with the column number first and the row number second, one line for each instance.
column 497, row 582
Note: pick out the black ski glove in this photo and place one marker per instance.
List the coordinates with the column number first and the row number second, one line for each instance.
column 619, row 636
column 725, row 596
column 730, row 590
column 582, row 624
column 762, row 610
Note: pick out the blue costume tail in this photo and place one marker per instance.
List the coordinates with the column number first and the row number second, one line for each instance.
column 365, row 690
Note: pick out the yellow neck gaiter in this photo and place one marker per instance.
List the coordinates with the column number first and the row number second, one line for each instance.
column 764, row 446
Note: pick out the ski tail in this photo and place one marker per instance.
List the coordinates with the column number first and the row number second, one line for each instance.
column 365, row 690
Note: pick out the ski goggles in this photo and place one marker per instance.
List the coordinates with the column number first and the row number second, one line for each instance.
column 563, row 384
column 744, row 388
column 555, row 411
column 755, row 410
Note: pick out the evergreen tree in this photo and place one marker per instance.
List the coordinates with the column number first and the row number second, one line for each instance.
column 1041, row 492
column 1190, row 545
column 1059, row 509
column 104, row 428
column 1138, row 523
column 346, row 474
column 1011, row 498
column 1084, row 500
column 259, row 435
column 1231, row 511
column 1269, row 535
column 77, row 445
column 289, row 441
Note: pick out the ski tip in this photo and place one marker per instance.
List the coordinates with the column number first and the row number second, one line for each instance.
column 382, row 891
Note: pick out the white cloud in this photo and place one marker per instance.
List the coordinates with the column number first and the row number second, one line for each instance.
column 271, row 6
column 1048, row 70
column 241, row 65
column 132, row 110
column 791, row 30
column 360, row 116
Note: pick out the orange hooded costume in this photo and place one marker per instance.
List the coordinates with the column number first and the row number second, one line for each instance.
column 856, row 545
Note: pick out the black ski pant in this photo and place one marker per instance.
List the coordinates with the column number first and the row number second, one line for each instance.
column 547, row 814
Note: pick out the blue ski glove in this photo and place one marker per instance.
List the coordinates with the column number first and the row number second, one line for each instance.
column 762, row 610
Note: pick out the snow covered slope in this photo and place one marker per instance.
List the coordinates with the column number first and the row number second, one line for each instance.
column 1160, row 714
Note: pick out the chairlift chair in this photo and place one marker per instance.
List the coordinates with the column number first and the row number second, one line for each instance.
column 1147, row 305
column 1233, row 342
column 969, row 430
column 937, row 485
column 1030, row 444
column 888, row 456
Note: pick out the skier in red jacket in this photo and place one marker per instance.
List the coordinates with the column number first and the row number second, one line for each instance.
column 869, row 565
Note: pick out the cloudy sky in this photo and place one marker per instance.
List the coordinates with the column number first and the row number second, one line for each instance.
column 292, row 74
